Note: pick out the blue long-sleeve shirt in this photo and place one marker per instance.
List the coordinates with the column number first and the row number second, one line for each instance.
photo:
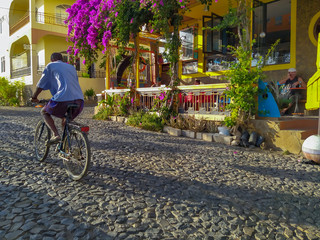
column 61, row 80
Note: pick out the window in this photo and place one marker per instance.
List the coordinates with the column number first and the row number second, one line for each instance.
column 65, row 57
column 316, row 29
column 61, row 14
column 188, row 42
column 78, row 64
column 3, row 64
column 162, row 57
column 212, row 38
column 215, row 42
column 272, row 22
column 189, row 52
column 278, row 20
column 92, row 71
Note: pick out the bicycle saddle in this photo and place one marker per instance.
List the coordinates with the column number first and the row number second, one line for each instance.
column 73, row 106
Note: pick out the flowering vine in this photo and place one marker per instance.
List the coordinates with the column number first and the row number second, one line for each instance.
column 92, row 24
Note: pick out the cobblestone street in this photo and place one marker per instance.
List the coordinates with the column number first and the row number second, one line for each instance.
column 146, row 185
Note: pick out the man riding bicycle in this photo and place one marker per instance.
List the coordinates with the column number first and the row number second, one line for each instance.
column 62, row 81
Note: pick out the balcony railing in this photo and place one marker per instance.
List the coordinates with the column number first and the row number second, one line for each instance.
column 20, row 72
column 52, row 19
column 22, row 22
column 94, row 74
column 80, row 73
column 40, row 69
column 203, row 99
column 192, row 99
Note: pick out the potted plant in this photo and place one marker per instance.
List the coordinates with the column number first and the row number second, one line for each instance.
column 89, row 94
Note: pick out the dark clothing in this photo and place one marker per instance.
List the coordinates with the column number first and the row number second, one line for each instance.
column 291, row 94
column 287, row 87
column 59, row 109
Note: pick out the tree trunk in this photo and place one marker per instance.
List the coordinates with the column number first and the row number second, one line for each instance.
column 174, row 64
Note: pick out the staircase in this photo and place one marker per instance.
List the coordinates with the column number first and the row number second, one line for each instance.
column 307, row 125
column 287, row 133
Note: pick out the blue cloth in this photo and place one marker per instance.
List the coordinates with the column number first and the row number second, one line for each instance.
column 62, row 81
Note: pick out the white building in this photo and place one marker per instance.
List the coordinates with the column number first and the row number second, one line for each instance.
column 30, row 31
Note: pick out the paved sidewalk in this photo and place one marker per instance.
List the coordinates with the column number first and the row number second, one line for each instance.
column 146, row 185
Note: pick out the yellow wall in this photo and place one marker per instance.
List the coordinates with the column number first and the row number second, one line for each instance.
column 273, row 71
column 17, row 47
column 39, row 3
column 40, row 45
column 15, row 10
column 54, row 44
column 98, row 84
column 50, row 5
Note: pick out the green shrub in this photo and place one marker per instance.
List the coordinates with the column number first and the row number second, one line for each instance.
column 124, row 104
column 85, row 75
column 151, row 122
column 212, row 126
column 135, row 119
column 104, row 114
column 11, row 93
column 119, row 106
column 177, row 122
column 89, row 92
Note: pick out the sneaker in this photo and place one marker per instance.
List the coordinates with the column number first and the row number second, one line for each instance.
column 54, row 139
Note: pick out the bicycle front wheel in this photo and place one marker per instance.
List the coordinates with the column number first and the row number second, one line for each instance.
column 76, row 154
column 41, row 137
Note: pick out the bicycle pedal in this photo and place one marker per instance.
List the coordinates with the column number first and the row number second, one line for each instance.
column 58, row 147
column 63, row 157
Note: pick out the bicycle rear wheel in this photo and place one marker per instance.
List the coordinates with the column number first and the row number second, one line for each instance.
column 76, row 154
column 41, row 137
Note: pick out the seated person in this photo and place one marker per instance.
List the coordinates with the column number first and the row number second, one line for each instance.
column 292, row 81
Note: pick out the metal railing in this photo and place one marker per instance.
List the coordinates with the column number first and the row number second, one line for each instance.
column 192, row 99
column 22, row 22
column 20, row 72
column 203, row 99
column 149, row 96
column 94, row 74
column 40, row 69
column 52, row 19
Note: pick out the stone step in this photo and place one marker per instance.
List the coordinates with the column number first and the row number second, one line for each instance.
column 308, row 133
column 299, row 124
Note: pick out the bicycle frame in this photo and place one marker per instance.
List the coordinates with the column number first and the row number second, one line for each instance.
column 41, row 131
column 65, row 133
column 73, row 149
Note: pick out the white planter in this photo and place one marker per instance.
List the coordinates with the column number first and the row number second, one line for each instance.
column 311, row 148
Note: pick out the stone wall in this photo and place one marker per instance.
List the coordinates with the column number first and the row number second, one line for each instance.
column 306, row 50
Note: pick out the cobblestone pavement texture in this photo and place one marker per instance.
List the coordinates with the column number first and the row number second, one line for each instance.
column 146, row 185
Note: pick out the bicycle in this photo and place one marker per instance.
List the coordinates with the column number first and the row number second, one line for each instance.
column 74, row 147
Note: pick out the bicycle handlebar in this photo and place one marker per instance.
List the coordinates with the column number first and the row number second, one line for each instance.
column 41, row 101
